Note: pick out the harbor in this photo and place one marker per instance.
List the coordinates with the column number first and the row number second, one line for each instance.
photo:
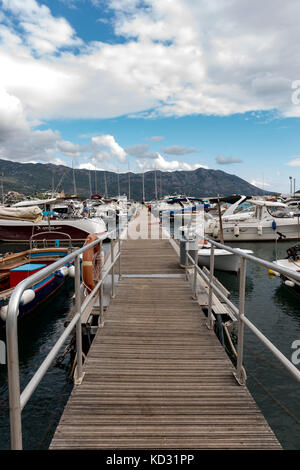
column 151, row 267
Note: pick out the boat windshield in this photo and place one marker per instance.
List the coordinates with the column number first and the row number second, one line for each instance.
column 244, row 207
column 280, row 212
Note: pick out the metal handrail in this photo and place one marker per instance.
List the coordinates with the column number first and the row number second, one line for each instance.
column 239, row 312
column 18, row 400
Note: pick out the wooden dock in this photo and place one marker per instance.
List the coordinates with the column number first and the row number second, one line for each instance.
column 155, row 376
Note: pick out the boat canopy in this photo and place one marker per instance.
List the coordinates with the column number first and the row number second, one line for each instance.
column 30, row 214
column 34, row 202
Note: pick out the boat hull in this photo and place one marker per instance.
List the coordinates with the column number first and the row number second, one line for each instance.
column 223, row 260
column 17, row 231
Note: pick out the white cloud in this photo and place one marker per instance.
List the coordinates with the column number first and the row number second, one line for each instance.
column 179, row 58
column 260, row 184
column 160, row 163
column 221, row 160
column 294, row 162
column 104, row 147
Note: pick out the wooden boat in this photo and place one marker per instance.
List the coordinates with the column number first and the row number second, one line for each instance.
column 15, row 267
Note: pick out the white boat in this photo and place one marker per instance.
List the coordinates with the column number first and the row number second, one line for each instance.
column 18, row 225
column 262, row 221
column 223, row 260
column 291, row 262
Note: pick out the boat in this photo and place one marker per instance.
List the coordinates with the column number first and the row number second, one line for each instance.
column 19, row 222
column 261, row 220
column 291, row 262
column 223, row 260
column 15, row 267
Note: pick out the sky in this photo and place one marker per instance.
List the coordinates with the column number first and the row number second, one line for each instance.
column 142, row 84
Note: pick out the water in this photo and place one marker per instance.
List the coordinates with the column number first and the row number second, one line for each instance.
column 272, row 307
column 275, row 310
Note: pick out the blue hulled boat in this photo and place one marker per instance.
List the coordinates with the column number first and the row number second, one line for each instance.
column 15, row 267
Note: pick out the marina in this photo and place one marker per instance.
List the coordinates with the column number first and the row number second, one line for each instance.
column 136, row 334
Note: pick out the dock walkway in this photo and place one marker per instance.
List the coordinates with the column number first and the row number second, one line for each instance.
column 155, row 376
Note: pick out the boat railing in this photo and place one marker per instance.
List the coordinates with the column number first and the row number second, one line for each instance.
column 18, row 399
column 45, row 240
column 238, row 312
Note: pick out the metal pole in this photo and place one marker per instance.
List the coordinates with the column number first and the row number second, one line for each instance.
column 13, row 379
column 113, row 268
column 195, row 271
column 240, row 375
column 78, row 324
column 119, row 243
column 210, row 293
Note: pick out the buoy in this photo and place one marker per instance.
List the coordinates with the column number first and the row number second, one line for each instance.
column 289, row 283
column 27, row 296
column 259, row 230
column 3, row 312
column 274, row 225
column 236, row 230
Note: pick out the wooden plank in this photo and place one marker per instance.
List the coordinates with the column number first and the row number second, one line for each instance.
column 155, row 376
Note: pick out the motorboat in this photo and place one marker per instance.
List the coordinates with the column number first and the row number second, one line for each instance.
column 19, row 222
column 223, row 259
column 15, row 267
column 261, row 220
column 291, row 262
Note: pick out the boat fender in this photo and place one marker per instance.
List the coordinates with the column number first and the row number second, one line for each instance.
column 216, row 232
column 274, row 225
column 72, row 271
column 236, row 230
column 62, row 272
column 274, row 273
column 259, row 230
column 289, row 283
column 27, row 296
column 3, row 312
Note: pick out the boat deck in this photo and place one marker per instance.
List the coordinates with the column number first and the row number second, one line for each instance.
column 155, row 376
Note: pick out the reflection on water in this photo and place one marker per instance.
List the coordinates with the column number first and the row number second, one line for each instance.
column 275, row 310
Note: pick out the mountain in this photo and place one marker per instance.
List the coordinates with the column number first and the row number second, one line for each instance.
column 34, row 178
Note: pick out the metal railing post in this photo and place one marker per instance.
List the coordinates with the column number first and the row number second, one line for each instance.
column 195, row 270
column 119, row 243
column 78, row 323
column 210, row 293
column 113, row 268
column 13, row 380
column 240, row 372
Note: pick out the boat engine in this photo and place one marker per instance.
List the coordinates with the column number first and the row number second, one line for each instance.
column 294, row 252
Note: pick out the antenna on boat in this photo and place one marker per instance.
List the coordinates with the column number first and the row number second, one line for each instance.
column 220, row 221
column 95, row 180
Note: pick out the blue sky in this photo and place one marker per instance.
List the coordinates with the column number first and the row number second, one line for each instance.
column 172, row 85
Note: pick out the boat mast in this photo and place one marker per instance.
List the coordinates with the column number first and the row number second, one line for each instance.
column 105, row 186
column 74, row 182
column 118, row 183
column 143, row 186
column 128, row 182
column 90, row 183
column 155, row 183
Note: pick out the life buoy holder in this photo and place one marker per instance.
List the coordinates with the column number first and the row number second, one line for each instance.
column 92, row 262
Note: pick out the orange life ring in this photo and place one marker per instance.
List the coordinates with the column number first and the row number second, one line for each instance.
column 92, row 262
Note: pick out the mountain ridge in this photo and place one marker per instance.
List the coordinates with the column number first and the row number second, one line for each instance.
column 34, row 178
